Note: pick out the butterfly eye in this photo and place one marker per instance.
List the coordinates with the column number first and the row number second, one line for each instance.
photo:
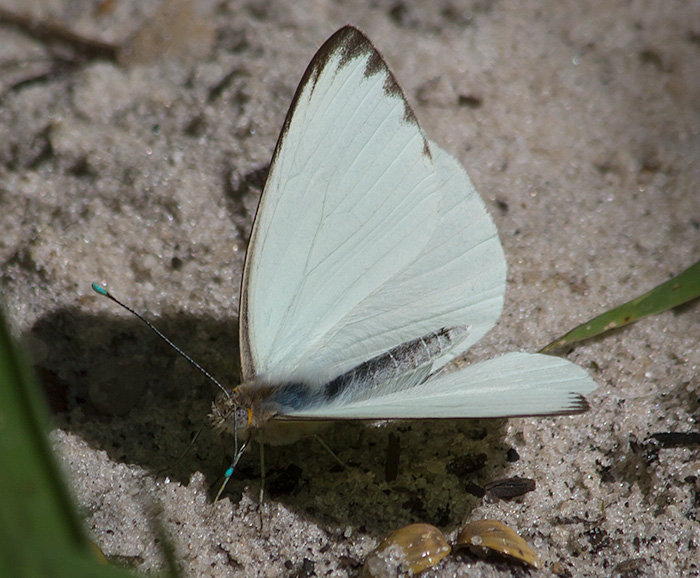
column 242, row 417
column 230, row 413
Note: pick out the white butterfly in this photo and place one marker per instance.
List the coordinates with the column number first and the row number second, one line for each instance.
column 372, row 263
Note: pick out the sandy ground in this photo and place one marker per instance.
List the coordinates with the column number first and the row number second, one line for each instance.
column 579, row 123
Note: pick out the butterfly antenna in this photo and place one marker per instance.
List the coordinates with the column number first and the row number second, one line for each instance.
column 102, row 291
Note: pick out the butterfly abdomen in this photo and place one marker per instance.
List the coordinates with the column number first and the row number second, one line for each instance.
column 403, row 360
column 400, row 360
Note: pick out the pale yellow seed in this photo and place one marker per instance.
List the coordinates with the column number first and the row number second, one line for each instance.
column 412, row 549
column 494, row 536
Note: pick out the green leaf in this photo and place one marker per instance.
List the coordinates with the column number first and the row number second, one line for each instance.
column 40, row 533
column 681, row 289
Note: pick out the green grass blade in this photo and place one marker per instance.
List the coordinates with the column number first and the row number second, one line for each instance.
column 32, row 492
column 681, row 289
column 40, row 532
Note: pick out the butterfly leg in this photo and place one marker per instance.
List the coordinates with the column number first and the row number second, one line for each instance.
column 262, row 467
column 326, row 447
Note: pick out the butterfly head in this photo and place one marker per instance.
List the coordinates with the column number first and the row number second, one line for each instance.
column 239, row 409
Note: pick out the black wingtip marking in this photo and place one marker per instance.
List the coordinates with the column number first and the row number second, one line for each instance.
column 577, row 405
column 351, row 43
column 580, row 404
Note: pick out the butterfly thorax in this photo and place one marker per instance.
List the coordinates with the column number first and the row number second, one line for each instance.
column 252, row 405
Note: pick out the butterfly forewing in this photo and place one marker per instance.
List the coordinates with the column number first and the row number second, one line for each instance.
column 352, row 197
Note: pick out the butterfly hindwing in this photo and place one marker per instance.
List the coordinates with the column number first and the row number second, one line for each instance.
column 514, row 384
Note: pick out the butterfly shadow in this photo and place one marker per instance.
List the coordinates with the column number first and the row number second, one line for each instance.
column 122, row 390
column 395, row 472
